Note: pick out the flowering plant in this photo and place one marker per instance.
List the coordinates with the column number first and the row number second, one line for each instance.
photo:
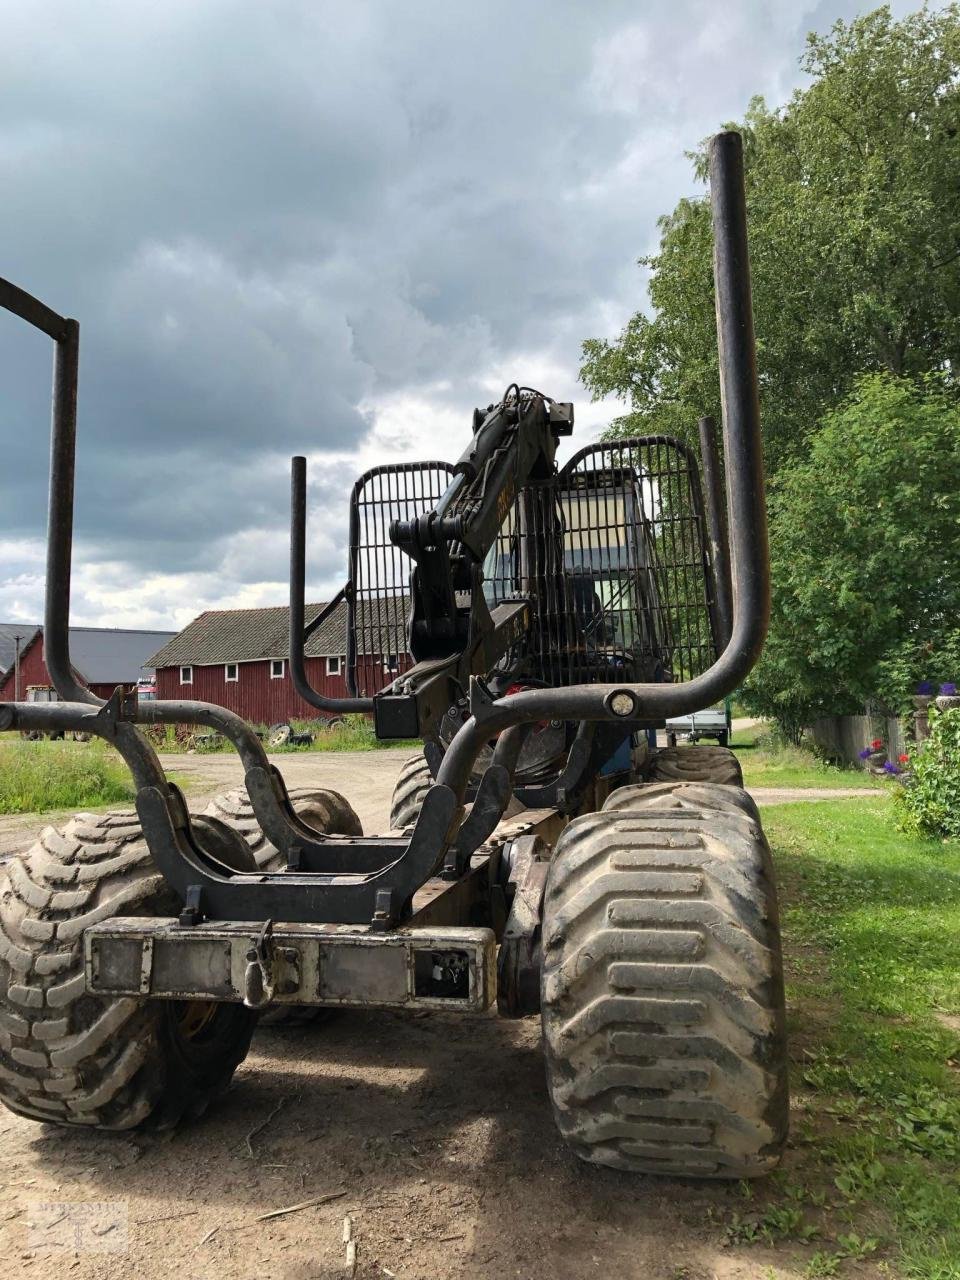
column 948, row 689
column 877, row 762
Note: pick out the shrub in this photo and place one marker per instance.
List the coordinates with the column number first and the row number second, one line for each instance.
column 928, row 803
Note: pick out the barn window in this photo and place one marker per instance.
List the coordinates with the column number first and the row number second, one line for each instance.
column 230, row 672
column 334, row 666
column 186, row 675
column 276, row 668
column 390, row 662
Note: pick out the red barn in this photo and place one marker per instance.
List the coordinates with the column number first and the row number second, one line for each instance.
column 238, row 659
column 14, row 638
column 102, row 658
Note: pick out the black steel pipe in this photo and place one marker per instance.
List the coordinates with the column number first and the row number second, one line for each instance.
column 716, row 528
column 79, row 707
column 63, row 447
column 63, row 453
column 746, row 513
column 26, row 307
column 298, row 573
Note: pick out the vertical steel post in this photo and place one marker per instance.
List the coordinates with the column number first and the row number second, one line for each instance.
column 63, row 450
column 740, row 400
column 716, row 528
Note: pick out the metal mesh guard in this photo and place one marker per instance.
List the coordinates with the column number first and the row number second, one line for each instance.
column 629, row 597
column 380, row 572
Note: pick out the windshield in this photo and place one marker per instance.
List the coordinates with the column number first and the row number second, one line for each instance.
column 608, row 572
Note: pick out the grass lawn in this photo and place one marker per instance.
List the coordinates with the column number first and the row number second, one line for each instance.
column 61, row 778
column 871, row 921
column 37, row 777
column 767, row 763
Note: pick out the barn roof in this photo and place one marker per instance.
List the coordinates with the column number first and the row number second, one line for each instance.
column 103, row 655
column 100, row 655
column 250, row 635
column 8, row 638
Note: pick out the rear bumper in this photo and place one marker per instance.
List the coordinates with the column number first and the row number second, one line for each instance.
column 299, row 964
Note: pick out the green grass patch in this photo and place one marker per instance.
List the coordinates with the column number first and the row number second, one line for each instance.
column 871, row 921
column 37, row 777
column 768, row 762
column 353, row 733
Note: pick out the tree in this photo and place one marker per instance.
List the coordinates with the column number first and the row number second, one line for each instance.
column 854, row 214
column 864, row 564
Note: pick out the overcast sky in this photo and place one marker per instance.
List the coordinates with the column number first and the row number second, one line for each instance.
column 323, row 228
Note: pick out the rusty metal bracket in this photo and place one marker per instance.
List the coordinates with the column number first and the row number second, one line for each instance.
column 520, row 959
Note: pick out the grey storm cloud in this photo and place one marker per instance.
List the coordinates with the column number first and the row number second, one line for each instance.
column 270, row 217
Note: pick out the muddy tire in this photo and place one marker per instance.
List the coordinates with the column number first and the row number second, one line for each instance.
column 72, row 1058
column 326, row 811
column 408, row 795
column 662, row 987
column 696, row 797
column 696, row 764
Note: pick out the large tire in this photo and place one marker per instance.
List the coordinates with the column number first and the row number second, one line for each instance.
column 73, row 1058
column 696, row 764
column 662, row 987
column 414, row 782
column 698, row 797
column 326, row 811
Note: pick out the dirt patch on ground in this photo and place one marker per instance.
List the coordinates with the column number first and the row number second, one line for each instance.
column 437, row 1129
column 797, row 795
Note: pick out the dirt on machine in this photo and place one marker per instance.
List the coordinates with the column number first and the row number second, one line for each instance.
column 544, row 856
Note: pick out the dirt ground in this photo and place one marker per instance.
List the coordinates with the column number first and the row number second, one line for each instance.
column 432, row 1132
column 436, row 1129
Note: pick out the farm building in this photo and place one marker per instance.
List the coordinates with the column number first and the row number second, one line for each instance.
column 14, row 638
column 102, row 658
column 238, row 659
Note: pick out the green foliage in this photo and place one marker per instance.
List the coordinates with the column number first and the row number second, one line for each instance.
column 354, row 734
column 770, row 761
column 871, row 923
column 863, row 537
column 37, row 777
column 853, row 210
column 929, row 802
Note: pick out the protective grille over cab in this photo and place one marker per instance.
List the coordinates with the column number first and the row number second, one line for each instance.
column 380, row 572
column 614, row 553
